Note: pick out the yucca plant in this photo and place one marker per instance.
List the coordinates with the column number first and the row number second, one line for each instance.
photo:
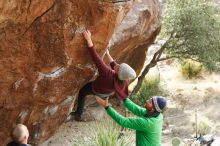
column 204, row 128
column 104, row 134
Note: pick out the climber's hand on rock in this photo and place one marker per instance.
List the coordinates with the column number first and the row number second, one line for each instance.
column 87, row 35
column 102, row 102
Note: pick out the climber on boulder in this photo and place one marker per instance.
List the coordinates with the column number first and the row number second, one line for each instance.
column 19, row 135
column 110, row 81
column 148, row 123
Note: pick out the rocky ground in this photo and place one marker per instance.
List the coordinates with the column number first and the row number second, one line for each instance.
column 185, row 97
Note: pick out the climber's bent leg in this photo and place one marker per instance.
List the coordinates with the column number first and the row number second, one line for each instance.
column 84, row 91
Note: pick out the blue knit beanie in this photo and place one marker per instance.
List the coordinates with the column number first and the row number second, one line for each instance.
column 159, row 103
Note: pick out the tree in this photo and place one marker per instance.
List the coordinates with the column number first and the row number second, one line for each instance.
column 191, row 30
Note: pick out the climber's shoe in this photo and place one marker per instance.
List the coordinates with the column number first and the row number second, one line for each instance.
column 77, row 117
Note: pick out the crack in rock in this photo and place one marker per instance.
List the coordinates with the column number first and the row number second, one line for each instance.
column 116, row 1
column 38, row 17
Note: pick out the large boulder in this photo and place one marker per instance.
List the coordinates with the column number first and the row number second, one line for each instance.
column 136, row 33
column 44, row 60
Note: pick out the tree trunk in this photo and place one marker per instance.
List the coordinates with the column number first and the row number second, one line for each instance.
column 153, row 62
column 142, row 76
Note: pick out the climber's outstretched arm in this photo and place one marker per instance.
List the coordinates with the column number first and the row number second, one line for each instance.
column 100, row 64
column 109, row 56
column 112, row 61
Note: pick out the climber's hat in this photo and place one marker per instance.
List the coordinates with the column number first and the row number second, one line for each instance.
column 125, row 72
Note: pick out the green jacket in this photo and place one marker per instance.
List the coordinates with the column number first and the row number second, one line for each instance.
column 148, row 130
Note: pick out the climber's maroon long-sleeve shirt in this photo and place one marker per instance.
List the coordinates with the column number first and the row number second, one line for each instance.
column 106, row 82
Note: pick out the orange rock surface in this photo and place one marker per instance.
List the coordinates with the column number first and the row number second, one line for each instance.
column 44, row 60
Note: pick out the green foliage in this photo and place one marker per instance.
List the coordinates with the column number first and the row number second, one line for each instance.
column 204, row 128
column 192, row 30
column 104, row 134
column 191, row 69
column 149, row 88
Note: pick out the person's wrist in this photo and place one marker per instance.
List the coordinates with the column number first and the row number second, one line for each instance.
column 88, row 39
column 107, row 106
column 89, row 42
column 124, row 99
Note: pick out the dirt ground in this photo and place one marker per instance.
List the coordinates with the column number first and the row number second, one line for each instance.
column 184, row 98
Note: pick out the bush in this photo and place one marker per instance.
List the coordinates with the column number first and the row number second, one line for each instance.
column 204, row 128
column 149, row 88
column 192, row 30
column 104, row 134
column 191, row 69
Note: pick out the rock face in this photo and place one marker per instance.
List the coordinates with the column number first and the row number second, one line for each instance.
column 43, row 56
column 136, row 33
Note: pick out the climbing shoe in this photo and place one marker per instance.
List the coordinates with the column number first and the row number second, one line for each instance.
column 75, row 116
